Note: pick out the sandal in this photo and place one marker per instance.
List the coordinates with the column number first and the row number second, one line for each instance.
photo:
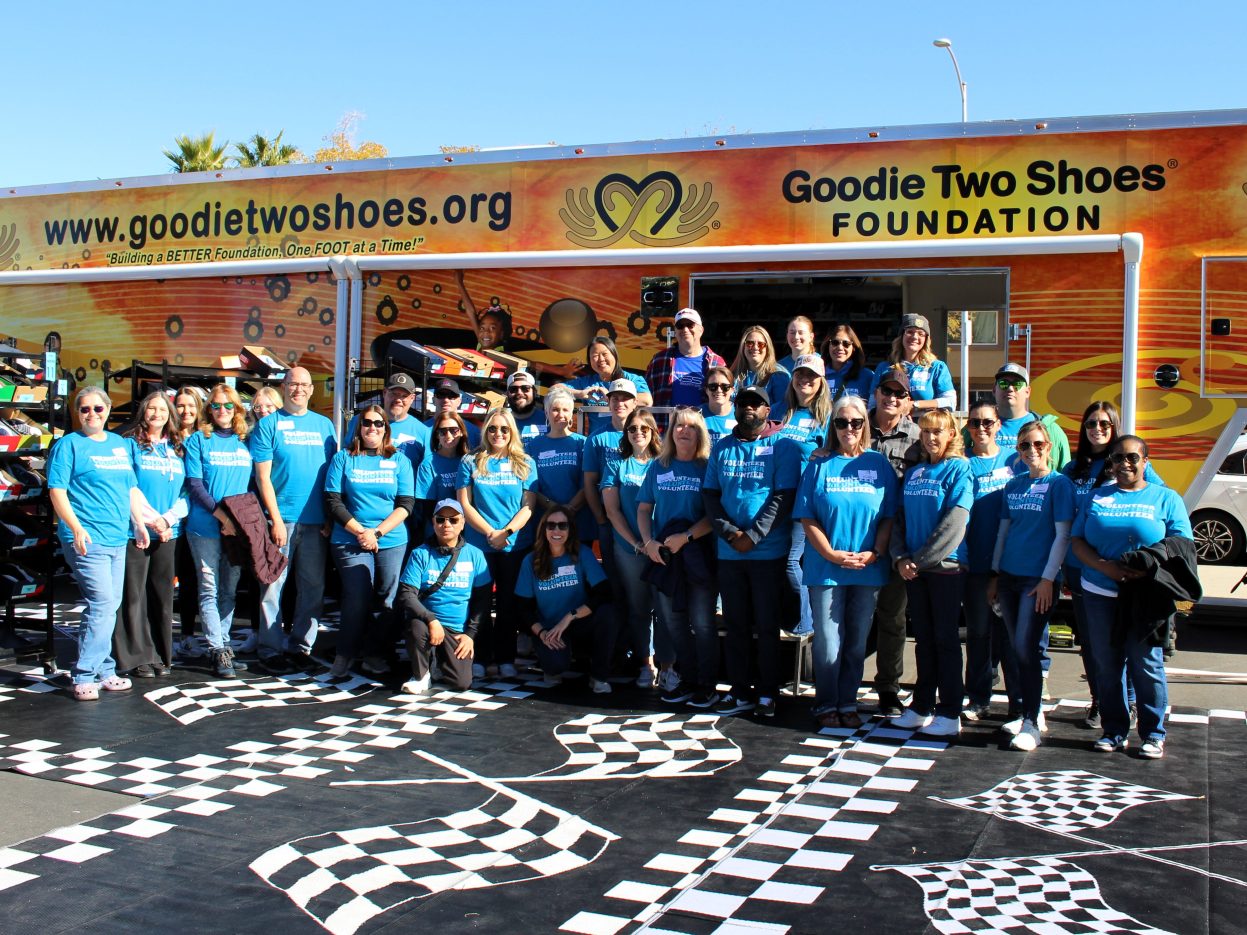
column 115, row 683
column 86, row 691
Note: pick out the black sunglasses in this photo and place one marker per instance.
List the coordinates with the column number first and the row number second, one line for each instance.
column 980, row 423
column 372, row 423
column 894, row 393
column 1126, row 457
column 558, row 525
column 854, row 424
column 83, row 410
column 447, row 520
column 1102, row 424
column 1037, row 445
column 718, row 387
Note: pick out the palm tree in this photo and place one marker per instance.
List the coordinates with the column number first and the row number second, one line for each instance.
column 197, row 154
column 261, row 151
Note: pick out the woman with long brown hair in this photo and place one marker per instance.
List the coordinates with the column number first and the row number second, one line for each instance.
column 755, row 365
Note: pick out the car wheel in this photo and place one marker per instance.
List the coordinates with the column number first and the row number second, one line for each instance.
column 1218, row 538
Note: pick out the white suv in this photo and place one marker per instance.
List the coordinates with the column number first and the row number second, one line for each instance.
column 1220, row 518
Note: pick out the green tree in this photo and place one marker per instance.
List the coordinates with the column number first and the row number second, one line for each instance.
column 341, row 143
column 262, row 151
column 197, row 154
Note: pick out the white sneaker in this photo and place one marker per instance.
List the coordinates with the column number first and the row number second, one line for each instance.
column 1013, row 726
column 912, row 720
column 944, row 727
column 1042, row 724
column 414, row 686
column 507, row 671
column 599, row 687
column 668, row 679
column 478, row 670
column 647, row 677
column 1027, row 738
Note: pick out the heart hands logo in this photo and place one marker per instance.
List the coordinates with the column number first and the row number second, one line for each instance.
column 657, row 211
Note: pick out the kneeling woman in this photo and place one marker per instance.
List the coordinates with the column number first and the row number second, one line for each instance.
column 564, row 598
column 444, row 594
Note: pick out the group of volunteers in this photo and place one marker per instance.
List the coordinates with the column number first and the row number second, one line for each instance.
column 810, row 493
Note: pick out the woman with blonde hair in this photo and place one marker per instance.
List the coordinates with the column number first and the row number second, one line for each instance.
column 266, row 401
column 930, row 383
column 929, row 551
column 755, row 365
column 800, row 338
column 496, row 488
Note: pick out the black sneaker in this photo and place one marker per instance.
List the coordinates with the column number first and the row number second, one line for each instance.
column 223, row 664
column 678, row 695
column 890, row 704
column 275, row 665
column 1091, row 720
column 302, row 662
column 765, row 707
column 976, row 712
column 704, row 699
column 730, row 704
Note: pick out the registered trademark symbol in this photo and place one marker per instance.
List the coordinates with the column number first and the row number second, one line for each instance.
column 715, row 224
column 1173, row 163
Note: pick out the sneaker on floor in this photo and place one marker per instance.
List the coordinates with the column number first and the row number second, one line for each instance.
column 943, row 727
column 729, row 704
column 829, row 720
column 507, row 671
column 850, row 719
column 374, row 665
column 1091, row 720
column 765, row 707
column 910, row 719
column 1108, row 744
column 668, row 679
column 301, row 661
column 678, row 693
column 1042, row 723
column 976, row 712
column 599, row 687
column 341, row 666
column 1152, row 749
column 1013, row 724
column 1045, row 696
column 223, row 664
column 647, row 678
column 890, row 704
column 416, row 686
column 706, row 699
column 478, row 670
column 1027, row 738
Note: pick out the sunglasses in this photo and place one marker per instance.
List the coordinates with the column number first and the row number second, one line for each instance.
column 217, row 407
column 556, row 525
column 498, row 430
column 1010, row 384
column 639, row 430
column 1126, row 457
column 756, row 345
column 447, row 520
column 853, row 424
column 718, row 387
column 372, row 423
column 1102, row 424
column 681, row 325
column 519, row 389
column 83, row 410
column 980, row 423
column 839, row 343
column 448, row 430
column 1037, row 446
column 445, row 395
column 896, row 393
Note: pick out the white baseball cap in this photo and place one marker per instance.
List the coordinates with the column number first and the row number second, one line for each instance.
column 689, row 314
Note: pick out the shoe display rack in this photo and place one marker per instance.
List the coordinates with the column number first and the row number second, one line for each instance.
column 148, row 376
column 31, row 406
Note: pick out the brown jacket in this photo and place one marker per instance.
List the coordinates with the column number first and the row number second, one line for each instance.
column 253, row 547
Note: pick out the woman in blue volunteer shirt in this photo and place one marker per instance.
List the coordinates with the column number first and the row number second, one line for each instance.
column 143, row 643
column 218, row 465
column 369, row 493
column 438, row 474
column 444, row 596
column 188, row 406
column 495, row 489
column 845, row 503
column 559, row 455
column 95, row 495
column 718, row 412
column 621, row 486
column 1030, row 547
column 755, row 365
column 563, row 600
column 845, row 367
column 929, row 552
column 590, row 389
column 667, row 524
column 1131, row 515
column 930, row 383
column 986, row 638
column 1089, row 470
column 800, row 338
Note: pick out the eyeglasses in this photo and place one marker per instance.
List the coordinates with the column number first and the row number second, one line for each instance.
column 447, row 430
column 639, row 430
column 299, row 386
column 980, row 423
column 83, row 410
column 841, row 343
column 447, row 520
column 372, row 423
column 718, row 387
column 1102, row 424
column 853, row 424
column 498, row 430
column 680, row 325
column 895, row 393
column 1036, row 445
column 217, row 407
column 1126, row 457
column 1010, row 384
column 556, row 525
column 519, row 389
column 756, row 345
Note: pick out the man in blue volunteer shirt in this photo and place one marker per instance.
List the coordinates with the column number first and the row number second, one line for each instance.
column 676, row 375
column 530, row 418
column 407, row 433
column 447, row 398
column 292, row 449
column 751, row 482
column 1013, row 394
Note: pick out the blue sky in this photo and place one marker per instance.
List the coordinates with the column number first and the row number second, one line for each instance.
column 98, row 90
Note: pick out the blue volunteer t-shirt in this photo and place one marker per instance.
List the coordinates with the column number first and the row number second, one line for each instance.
column 559, row 477
column 718, row 426
column 97, row 475
column 925, row 382
column 746, row 473
column 1083, row 487
column 1117, row 521
column 1033, row 505
column 687, row 376
column 626, row 476
column 369, row 485
column 437, row 477
column 566, row 589
column 161, row 478
column 601, row 452
column 591, row 381
column 839, row 383
column 531, row 426
column 930, row 491
column 990, row 474
column 674, row 491
column 449, row 603
column 409, row 435
column 299, row 448
column 223, row 463
column 804, row 429
column 497, row 495
column 846, row 496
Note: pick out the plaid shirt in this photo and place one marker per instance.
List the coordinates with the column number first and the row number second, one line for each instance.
column 661, row 371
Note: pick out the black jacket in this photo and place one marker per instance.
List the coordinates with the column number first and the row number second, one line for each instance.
column 253, row 547
column 1145, row 605
column 694, row 563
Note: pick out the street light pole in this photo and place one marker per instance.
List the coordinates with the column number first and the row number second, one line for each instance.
column 961, row 85
column 966, row 328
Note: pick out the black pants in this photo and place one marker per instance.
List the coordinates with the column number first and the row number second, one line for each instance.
column 457, row 671
column 589, row 636
column 144, row 633
column 751, row 589
column 188, row 586
column 496, row 645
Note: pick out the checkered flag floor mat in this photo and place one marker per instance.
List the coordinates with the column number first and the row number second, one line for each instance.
column 194, row 701
column 602, row 746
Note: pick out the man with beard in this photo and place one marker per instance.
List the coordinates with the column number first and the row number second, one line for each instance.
column 530, row 418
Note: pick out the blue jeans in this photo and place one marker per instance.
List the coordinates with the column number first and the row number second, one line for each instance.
column 1026, row 628
column 987, row 639
column 218, row 588
column 693, row 634
column 842, row 615
column 935, row 612
column 100, row 575
column 796, row 548
column 1144, row 664
column 751, row 590
column 647, row 639
column 306, row 548
column 369, row 583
